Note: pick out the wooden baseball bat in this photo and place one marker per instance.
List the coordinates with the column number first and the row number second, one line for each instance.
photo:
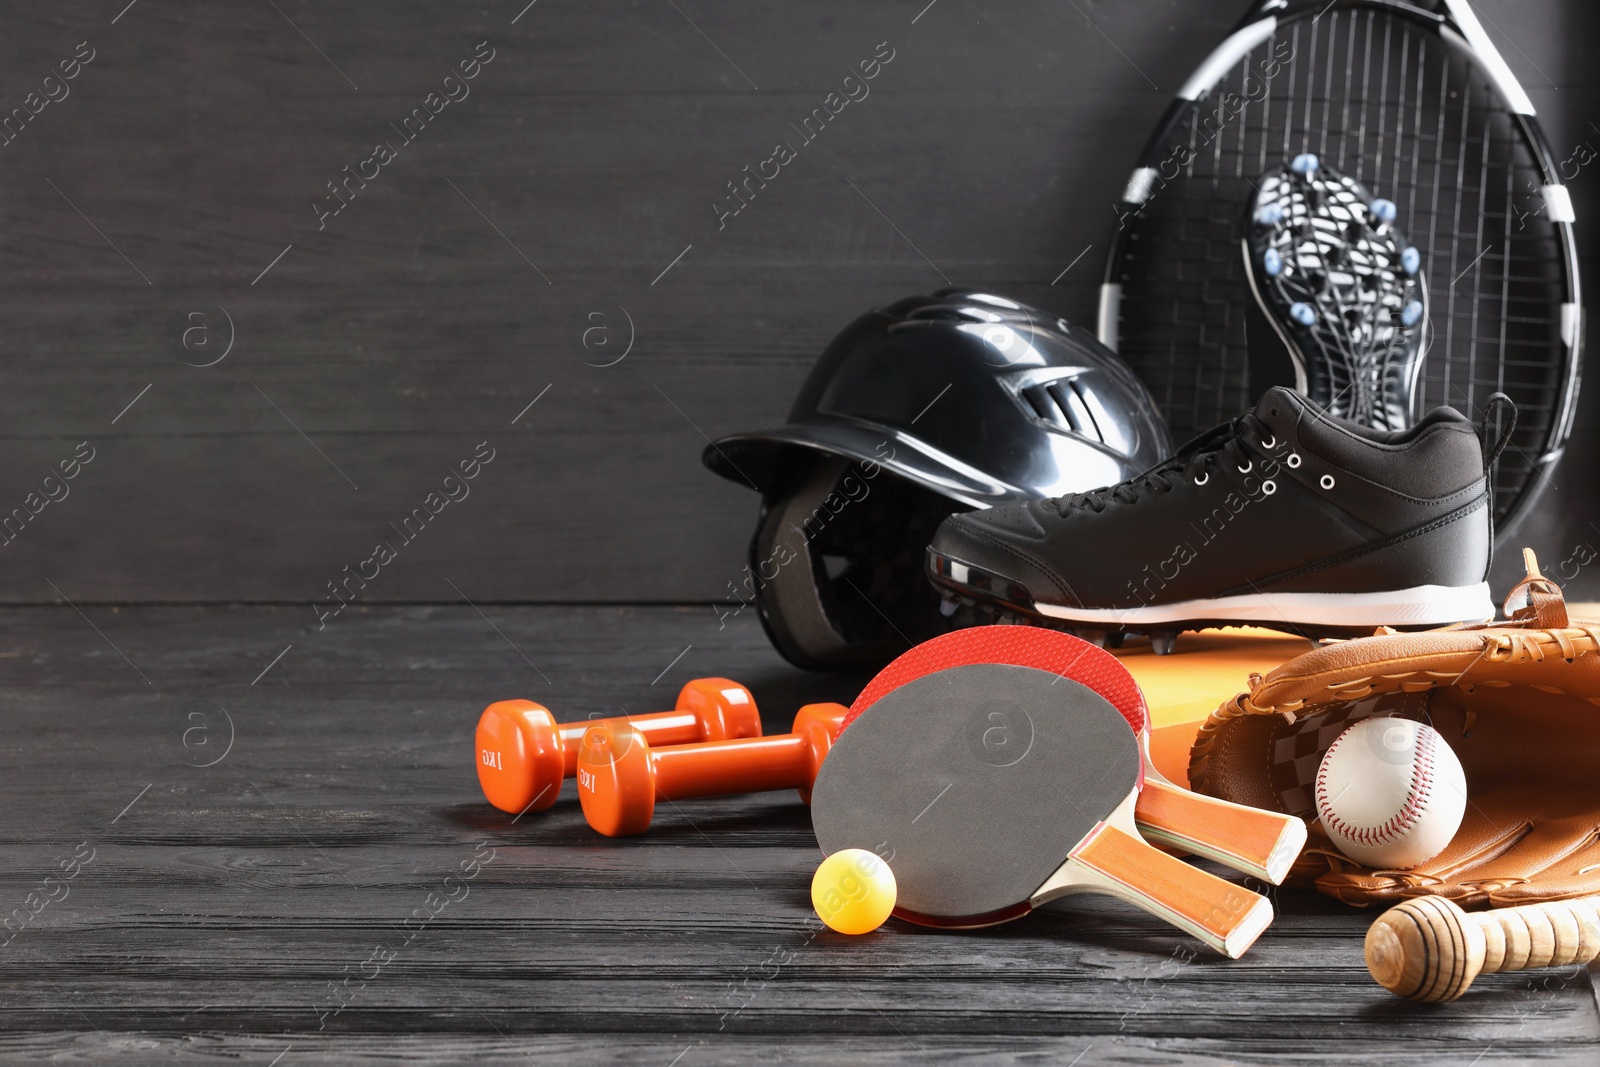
column 1429, row 949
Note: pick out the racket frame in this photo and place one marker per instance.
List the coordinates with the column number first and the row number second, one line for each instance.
column 1458, row 25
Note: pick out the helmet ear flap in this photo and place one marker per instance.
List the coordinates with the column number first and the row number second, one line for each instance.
column 796, row 597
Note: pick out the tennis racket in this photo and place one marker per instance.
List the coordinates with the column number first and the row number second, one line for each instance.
column 1412, row 102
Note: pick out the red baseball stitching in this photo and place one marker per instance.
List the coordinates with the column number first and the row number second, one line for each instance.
column 1410, row 810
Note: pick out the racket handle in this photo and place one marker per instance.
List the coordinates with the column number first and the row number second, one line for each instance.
column 1251, row 840
column 1225, row 916
column 1429, row 949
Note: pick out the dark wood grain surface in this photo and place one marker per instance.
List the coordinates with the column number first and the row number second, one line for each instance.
column 255, row 910
column 178, row 178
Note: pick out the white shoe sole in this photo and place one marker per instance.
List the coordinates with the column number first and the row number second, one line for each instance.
column 1421, row 605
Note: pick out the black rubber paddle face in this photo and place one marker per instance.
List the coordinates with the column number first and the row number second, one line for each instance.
column 974, row 783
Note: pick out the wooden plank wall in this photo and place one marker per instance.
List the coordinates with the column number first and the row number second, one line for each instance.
column 165, row 207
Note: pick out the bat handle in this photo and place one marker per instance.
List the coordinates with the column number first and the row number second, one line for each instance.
column 1429, row 949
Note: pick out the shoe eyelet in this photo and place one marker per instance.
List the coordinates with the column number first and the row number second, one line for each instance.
column 1248, row 467
column 1269, row 441
column 1327, row 481
column 1269, row 487
column 1203, row 479
column 1293, row 460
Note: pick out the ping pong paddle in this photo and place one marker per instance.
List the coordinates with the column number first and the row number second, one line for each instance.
column 1260, row 843
column 992, row 788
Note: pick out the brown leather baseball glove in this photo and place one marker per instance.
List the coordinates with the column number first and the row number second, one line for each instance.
column 1516, row 700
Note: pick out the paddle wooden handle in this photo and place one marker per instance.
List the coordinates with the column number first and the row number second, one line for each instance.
column 1258, row 842
column 1429, row 949
column 1225, row 916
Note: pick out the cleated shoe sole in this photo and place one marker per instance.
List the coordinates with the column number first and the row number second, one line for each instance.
column 1343, row 290
column 1422, row 607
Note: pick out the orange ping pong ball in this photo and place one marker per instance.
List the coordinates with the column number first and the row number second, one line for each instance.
column 853, row 891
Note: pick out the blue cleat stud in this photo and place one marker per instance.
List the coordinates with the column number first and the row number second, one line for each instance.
column 1303, row 313
column 1305, row 163
column 1270, row 215
column 1384, row 210
column 1272, row 263
column 1411, row 261
column 1411, row 313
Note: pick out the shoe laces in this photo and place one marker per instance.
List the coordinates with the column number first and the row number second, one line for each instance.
column 1194, row 461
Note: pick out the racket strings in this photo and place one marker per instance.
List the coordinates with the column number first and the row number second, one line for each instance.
column 1387, row 102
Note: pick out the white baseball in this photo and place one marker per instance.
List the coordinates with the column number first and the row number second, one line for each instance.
column 1391, row 793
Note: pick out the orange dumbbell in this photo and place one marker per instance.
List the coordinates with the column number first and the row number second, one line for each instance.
column 620, row 776
column 523, row 753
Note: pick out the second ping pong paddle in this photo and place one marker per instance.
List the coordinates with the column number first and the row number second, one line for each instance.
column 1260, row 843
column 993, row 788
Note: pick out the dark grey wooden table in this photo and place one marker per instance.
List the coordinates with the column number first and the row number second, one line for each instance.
column 332, row 888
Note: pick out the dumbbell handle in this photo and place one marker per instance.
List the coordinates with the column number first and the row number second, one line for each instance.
column 621, row 775
column 743, row 765
column 659, row 727
column 1430, row 949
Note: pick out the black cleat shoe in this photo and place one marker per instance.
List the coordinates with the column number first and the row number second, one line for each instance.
column 1286, row 517
column 1343, row 290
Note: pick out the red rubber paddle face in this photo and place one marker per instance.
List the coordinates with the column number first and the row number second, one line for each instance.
column 1072, row 658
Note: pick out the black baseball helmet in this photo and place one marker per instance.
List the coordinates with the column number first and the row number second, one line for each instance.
column 931, row 405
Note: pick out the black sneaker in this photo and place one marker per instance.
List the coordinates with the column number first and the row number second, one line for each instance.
column 1287, row 517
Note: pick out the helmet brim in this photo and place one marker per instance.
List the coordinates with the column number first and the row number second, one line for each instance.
column 769, row 460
